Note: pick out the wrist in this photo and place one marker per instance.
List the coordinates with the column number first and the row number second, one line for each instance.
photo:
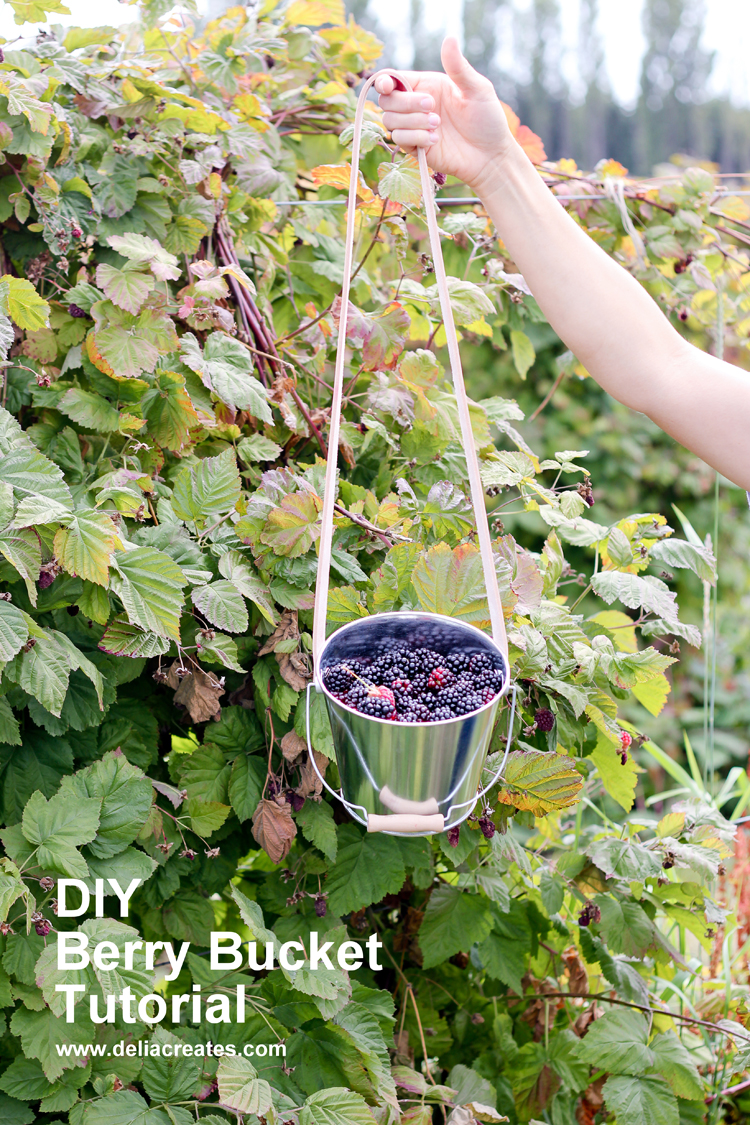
column 500, row 166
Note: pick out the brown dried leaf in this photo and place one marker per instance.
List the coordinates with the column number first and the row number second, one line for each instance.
column 199, row 693
column 578, row 982
column 286, row 630
column 293, row 747
column 173, row 680
column 309, row 783
column 273, row 828
column 295, row 668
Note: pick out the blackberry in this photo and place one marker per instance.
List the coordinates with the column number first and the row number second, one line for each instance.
column 417, row 682
column 453, row 835
column 43, row 927
column 339, row 678
column 590, row 913
column 487, row 825
column 544, row 719
column 76, row 311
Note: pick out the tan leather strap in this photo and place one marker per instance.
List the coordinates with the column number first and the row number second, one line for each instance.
column 467, row 437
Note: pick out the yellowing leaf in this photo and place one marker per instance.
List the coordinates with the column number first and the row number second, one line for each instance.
column 619, row 780
column 83, row 548
column 20, row 300
column 339, row 176
column 452, row 582
column 539, row 782
column 313, row 13
column 400, row 181
column 292, row 528
column 622, row 629
column 734, row 208
column 653, row 694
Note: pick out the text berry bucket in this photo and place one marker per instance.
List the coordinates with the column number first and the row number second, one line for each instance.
column 397, row 777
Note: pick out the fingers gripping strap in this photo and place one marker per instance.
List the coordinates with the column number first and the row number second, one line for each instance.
column 467, row 437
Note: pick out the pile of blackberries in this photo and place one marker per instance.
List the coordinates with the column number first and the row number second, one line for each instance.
column 416, row 684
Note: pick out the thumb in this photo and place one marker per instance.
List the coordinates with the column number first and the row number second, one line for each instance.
column 459, row 69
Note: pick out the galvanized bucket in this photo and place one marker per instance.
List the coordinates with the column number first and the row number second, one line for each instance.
column 400, row 777
column 396, row 777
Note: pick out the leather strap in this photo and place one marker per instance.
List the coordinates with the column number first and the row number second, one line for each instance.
column 467, row 437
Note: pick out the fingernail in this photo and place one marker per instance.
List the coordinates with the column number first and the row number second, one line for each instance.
column 433, row 138
column 426, row 103
column 433, row 120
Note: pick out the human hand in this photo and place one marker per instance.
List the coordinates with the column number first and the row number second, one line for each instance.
column 457, row 116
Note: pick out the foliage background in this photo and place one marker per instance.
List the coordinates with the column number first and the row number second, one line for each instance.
column 169, row 325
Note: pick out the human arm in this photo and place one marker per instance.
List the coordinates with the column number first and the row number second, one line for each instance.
column 607, row 319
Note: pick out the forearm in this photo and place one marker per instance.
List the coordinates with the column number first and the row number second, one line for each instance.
column 614, row 327
column 593, row 304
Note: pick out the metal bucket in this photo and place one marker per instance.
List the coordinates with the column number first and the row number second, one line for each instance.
column 409, row 778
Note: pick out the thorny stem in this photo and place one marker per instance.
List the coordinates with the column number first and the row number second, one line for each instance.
column 607, row 999
column 547, row 397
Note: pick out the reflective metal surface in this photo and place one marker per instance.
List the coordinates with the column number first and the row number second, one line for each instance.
column 394, row 767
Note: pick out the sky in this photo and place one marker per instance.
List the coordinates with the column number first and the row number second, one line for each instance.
column 727, row 32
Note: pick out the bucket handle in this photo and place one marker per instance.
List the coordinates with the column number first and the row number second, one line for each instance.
column 380, row 823
column 497, row 620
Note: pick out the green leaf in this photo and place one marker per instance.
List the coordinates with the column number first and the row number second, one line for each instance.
column 147, row 251
column 22, row 550
column 258, row 448
column 218, row 649
column 41, row 1033
column 315, row 818
column 10, row 730
column 468, row 302
column 124, row 639
column 539, row 782
column 252, row 916
column 169, row 1079
column 205, row 774
column 626, row 927
column 184, row 234
column 29, row 473
column 399, row 180
column 453, row 921
column 624, row 859
column 675, row 1063
column 241, row 1089
column 15, row 1112
column 91, row 411
column 57, row 828
column 20, row 300
column 125, row 866
column 190, row 917
column 635, row 591
column 149, row 584
column 169, row 411
column 292, row 528
column 225, row 367
column 38, row 764
column 126, row 1107
column 43, row 671
column 641, row 1101
column 366, row 869
column 686, row 556
column 84, row 546
column 127, row 288
column 618, row 1042
column 125, row 798
column 335, row 1106
column 14, row 632
column 221, row 604
column 206, row 489
column 523, row 351
column 234, row 567
column 504, row 953
column 246, row 784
